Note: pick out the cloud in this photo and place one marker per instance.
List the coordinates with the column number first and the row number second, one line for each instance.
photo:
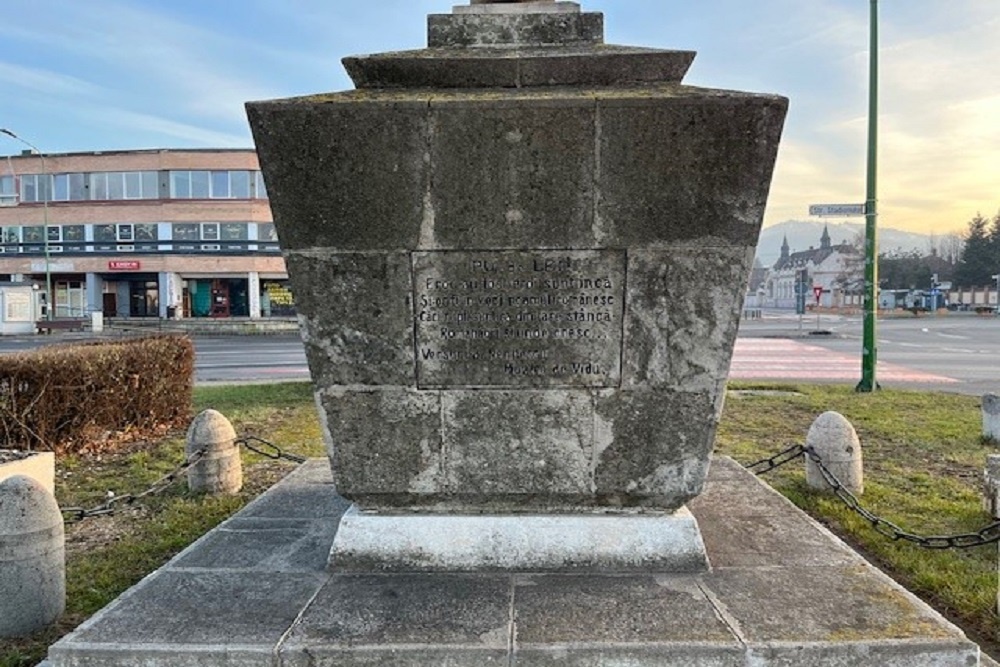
column 165, row 127
column 47, row 82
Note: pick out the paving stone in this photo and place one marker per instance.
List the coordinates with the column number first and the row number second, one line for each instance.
column 359, row 620
column 256, row 609
column 273, row 545
column 821, row 604
column 556, row 610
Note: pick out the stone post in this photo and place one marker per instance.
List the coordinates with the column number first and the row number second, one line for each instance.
column 32, row 557
column 991, row 417
column 220, row 470
column 836, row 443
column 519, row 257
column 991, row 486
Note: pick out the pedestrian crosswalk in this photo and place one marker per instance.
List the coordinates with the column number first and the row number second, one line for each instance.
column 784, row 359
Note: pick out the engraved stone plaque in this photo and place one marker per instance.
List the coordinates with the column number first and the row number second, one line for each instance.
column 518, row 318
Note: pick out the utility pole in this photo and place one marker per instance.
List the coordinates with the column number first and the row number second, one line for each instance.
column 50, row 299
column 869, row 352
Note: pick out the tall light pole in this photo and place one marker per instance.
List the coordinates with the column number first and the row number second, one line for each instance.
column 49, row 296
column 869, row 352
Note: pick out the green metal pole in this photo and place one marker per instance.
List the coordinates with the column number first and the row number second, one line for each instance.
column 869, row 351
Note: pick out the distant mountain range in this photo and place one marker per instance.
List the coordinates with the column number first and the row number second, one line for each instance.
column 803, row 234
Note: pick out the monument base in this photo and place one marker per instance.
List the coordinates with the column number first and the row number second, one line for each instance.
column 375, row 542
column 782, row 592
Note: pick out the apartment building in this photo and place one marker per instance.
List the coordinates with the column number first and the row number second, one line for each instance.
column 140, row 234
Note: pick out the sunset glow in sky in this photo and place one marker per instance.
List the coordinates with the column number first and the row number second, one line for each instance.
column 129, row 74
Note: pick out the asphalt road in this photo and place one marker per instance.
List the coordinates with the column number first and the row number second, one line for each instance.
column 963, row 349
column 955, row 352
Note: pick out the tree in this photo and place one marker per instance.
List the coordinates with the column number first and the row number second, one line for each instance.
column 981, row 255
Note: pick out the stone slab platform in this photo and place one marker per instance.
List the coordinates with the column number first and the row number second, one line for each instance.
column 783, row 592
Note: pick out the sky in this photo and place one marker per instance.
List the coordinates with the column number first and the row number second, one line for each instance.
column 93, row 75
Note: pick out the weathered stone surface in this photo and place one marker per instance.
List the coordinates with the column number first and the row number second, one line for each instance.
column 266, row 545
column 257, row 609
column 518, row 68
column 683, row 315
column 513, row 174
column 364, row 620
column 652, row 447
column 842, row 601
column 356, row 315
column 641, row 609
column 342, row 174
column 991, row 417
column 562, row 543
column 219, row 468
column 519, row 318
column 514, row 29
column 32, row 557
column 519, row 451
column 991, row 485
column 685, row 166
column 388, row 447
column 833, row 439
column 527, row 167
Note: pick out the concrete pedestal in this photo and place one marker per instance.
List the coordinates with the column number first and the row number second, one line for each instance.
column 663, row 542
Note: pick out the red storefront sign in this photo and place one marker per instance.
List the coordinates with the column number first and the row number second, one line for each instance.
column 124, row 265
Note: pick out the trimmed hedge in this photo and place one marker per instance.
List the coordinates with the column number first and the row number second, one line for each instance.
column 83, row 397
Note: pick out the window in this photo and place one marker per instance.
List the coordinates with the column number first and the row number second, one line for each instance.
column 11, row 238
column 73, row 238
column 239, row 184
column 119, row 185
column 260, row 192
column 200, row 184
column 8, row 193
column 186, row 231
column 36, row 188
column 219, row 184
column 210, row 231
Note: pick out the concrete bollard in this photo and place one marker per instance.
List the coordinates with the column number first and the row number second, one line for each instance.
column 32, row 557
column 991, row 417
column 991, row 485
column 836, row 443
column 220, row 470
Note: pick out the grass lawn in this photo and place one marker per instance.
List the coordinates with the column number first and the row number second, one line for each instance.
column 923, row 462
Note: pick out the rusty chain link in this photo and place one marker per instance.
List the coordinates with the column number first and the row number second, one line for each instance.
column 111, row 505
column 251, row 442
column 988, row 535
column 776, row 461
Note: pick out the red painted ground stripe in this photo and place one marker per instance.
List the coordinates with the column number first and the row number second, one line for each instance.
column 779, row 358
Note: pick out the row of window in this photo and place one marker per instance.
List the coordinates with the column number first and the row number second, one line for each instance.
column 122, row 185
column 131, row 237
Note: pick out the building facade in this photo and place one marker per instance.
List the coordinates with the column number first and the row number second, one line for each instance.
column 827, row 272
column 140, row 234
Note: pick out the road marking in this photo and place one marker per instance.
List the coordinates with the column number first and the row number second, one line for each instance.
column 783, row 359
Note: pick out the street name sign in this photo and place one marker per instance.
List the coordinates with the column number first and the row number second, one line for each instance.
column 837, row 210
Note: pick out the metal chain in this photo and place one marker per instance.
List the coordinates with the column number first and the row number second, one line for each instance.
column 776, row 461
column 988, row 535
column 110, row 506
column 251, row 442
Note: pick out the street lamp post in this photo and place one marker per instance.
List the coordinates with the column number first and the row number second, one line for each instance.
column 49, row 296
column 869, row 353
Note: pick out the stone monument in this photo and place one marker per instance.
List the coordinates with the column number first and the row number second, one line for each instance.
column 519, row 257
